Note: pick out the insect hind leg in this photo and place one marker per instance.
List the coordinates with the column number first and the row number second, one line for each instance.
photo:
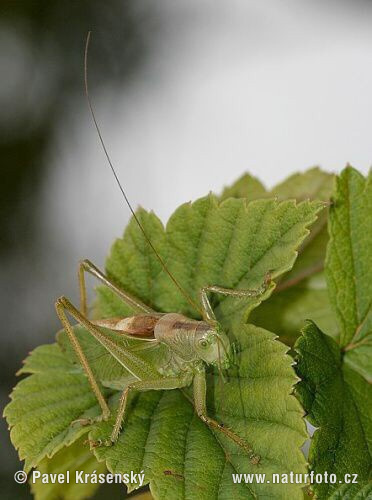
column 62, row 305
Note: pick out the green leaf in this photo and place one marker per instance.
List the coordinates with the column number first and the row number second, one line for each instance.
column 337, row 401
column 232, row 244
column 311, row 257
column 247, row 187
column 313, row 184
column 45, row 403
column 45, row 358
column 349, row 264
column 76, row 457
column 360, row 491
column 182, row 458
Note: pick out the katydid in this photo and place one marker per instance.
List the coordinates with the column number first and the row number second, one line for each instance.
column 191, row 345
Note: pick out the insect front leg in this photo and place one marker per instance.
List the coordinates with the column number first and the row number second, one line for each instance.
column 200, row 402
column 85, row 266
column 63, row 305
column 165, row 383
column 206, row 305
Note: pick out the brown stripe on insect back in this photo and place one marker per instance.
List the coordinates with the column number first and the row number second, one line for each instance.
column 141, row 325
column 185, row 325
column 202, row 327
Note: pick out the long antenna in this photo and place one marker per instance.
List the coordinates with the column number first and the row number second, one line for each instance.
column 184, row 293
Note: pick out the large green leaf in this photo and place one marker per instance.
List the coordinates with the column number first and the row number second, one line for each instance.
column 311, row 295
column 349, row 264
column 338, row 401
column 182, row 458
column 232, row 244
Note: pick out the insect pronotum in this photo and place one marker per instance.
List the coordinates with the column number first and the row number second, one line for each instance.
column 190, row 345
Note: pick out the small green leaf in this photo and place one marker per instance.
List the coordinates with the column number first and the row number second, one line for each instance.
column 247, row 187
column 313, row 184
column 76, row 457
column 182, row 458
column 337, row 401
column 348, row 267
column 44, row 405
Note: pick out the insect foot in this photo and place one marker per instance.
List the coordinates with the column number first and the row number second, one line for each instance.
column 246, row 447
column 255, row 459
column 98, row 443
column 267, row 279
column 90, row 421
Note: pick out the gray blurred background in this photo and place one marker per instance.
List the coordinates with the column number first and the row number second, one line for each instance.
column 189, row 96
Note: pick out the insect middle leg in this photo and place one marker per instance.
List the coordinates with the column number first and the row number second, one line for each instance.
column 85, row 266
column 200, row 402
